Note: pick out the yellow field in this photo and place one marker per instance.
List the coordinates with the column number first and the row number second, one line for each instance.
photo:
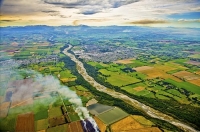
column 196, row 82
column 126, row 124
column 198, row 72
column 68, row 79
column 142, row 120
column 143, row 68
column 150, row 129
column 154, row 72
column 125, row 61
column 186, row 75
column 100, row 124
column 140, row 88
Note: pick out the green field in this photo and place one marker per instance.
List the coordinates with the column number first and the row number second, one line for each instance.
column 186, row 85
column 118, row 79
column 43, row 114
column 54, row 112
column 73, row 116
column 81, row 88
column 41, row 124
column 66, row 74
column 112, row 116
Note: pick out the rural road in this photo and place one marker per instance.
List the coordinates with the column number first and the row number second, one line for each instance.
column 148, row 110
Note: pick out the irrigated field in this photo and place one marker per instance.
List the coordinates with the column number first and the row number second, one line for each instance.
column 112, row 116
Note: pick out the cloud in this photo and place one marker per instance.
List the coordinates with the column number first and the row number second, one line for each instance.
column 7, row 20
column 49, row 11
column 87, row 21
column 145, row 22
column 89, row 7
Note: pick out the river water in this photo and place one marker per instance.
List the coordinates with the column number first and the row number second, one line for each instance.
column 148, row 110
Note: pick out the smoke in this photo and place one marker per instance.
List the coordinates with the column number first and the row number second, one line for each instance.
column 24, row 90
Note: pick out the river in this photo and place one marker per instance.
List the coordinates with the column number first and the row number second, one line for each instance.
column 148, row 110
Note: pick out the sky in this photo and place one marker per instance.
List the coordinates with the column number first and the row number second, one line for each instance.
column 153, row 13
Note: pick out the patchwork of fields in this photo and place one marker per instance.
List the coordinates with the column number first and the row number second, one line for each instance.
column 161, row 80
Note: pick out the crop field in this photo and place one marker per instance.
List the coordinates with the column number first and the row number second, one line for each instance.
column 54, row 112
column 125, row 61
column 186, row 85
column 140, row 88
column 186, row 75
column 81, row 88
column 154, row 73
column 142, row 120
column 150, row 129
column 97, row 108
column 75, row 127
column 60, row 128
column 195, row 81
column 56, row 121
column 41, row 124
column 100, row 124
column 42, row 114
column 112, row 116
column 119, row 79
column 136, row 63
column 73, row 116
column 25, row 122
column 126, row 124
column 142, row 68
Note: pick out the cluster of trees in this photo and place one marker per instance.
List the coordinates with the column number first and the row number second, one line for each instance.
column 170, row 107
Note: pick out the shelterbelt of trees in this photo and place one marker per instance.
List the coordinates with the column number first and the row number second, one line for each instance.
column 171, row 107
column 109, row 100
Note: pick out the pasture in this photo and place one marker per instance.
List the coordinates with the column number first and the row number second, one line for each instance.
column 119, row 79
column 186, row 85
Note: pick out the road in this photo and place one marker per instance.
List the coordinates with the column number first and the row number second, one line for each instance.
column 148, row 110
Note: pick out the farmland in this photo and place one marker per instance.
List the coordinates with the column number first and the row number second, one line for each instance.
column 112, row 116
column 161, row 72
column 27, row 119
